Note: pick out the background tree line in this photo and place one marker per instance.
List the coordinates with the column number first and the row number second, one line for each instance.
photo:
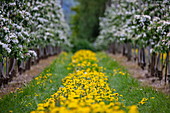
column 85, row 23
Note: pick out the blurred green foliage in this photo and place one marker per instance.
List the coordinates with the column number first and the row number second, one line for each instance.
column 82, row 44
column 85, row 23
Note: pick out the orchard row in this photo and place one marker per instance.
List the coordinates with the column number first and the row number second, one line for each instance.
column 144, row 23
column 140, row 29
column 26, row 25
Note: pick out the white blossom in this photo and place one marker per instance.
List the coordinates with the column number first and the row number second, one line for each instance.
column 32, row 53
column 42, row 20
column 12, row 4
column 35, row 8
column 15, row 41
column 5, row 46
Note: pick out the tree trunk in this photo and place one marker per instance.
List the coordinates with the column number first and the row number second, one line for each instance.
column 21, row 67
column 152, row 66
column 2, row 75
column 143, row 63
column 166, row 66
column 28, row 64
column 12, row 71
column 113, row 48
column 168, row 69
column 158, row 72
column 124, row 50
column 129, row 52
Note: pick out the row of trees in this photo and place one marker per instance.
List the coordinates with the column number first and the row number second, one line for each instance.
column 140, row 24
column 29, row 28
column 28, row 24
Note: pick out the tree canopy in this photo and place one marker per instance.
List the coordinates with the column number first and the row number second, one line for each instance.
column 86, row 21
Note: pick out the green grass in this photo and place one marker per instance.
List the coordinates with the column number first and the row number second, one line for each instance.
column 131, row 89
column 27, row 98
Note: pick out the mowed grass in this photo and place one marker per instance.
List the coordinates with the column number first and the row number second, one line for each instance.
column 26, row 99
column 48, row 82
column 131, row 89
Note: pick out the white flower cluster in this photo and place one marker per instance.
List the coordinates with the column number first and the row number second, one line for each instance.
column 30, row 24
column 145, row 23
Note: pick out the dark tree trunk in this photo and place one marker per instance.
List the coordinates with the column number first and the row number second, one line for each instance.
column 143, row 63
column 28, row 64
column 21, row 67
column 12, row 71
column 166, row 66
column 2, row 75
column 169, row 69
column 152, row 66
column 2, row 70
column 129, row 52
column 124, row 50
column 158, row 72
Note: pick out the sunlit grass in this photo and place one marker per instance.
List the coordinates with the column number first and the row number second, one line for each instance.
column 86, row 90
column 131, row 89
column 47, row 83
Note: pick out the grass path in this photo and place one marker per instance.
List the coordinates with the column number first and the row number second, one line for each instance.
column 131, row 89
column 26, row 99
column 27, row 76
column 48, row 82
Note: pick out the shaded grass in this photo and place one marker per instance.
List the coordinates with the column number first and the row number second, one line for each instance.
column 27, row 98
column 131, row 89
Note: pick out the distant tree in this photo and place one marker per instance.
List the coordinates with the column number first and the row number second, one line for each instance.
column 86, row 21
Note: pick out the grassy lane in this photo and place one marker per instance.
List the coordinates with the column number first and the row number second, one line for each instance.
column 48, row 82
column 85, row 90
column 132, row 91
column 44, row 85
